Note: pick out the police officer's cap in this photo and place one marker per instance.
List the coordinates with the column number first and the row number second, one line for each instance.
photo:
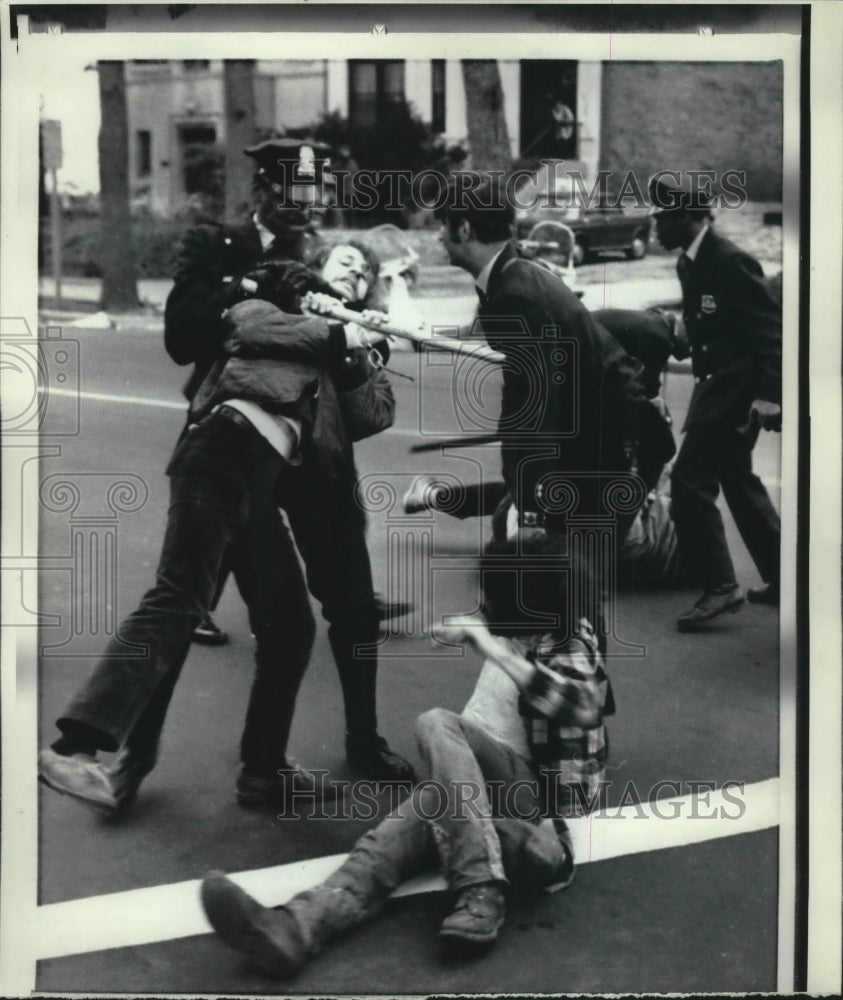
column 674, row 190
column 290, row 161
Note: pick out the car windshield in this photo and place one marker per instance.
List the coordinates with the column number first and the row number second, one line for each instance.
column 550, row 189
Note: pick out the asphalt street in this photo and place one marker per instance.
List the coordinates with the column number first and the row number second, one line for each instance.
column 698, row 708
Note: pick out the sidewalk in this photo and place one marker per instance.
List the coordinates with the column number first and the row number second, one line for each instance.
column 436, row 283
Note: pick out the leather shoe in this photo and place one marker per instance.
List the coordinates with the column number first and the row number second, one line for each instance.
column 477, row 917
column 387, row 610
column 768, row 594
column 208, row 633
column 79, row 775
column 289, row 786
column 271, row 939
column 712, row 605
column 373, row 759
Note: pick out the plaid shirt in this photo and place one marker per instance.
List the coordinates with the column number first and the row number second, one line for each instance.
column 570, row 747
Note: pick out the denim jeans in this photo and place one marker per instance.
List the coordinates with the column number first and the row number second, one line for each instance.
column 448, row 819
column 223, row 483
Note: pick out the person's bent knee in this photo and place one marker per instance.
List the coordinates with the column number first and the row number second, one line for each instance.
column 433, row 722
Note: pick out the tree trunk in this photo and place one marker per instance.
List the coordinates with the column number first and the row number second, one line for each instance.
column 239, row 133
column 488, row 137
column 119, row 284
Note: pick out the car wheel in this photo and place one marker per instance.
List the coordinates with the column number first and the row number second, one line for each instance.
column 637, row 249
column 578, row 254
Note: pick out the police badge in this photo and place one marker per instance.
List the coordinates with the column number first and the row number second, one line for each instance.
column 708, row 305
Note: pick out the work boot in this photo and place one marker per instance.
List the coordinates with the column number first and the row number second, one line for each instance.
column 476, row 918
column 270, row 939
column 714, row 603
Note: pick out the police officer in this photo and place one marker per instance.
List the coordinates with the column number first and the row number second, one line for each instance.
column 217, row 266
column 734, row 328
column 226, row 476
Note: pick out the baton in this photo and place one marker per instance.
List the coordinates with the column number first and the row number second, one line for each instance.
column 479, row 351
column 460, row 442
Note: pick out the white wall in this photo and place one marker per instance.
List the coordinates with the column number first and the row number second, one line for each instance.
column 337, row 86
column 589, row 94
column 510, row 70
column 418, row 78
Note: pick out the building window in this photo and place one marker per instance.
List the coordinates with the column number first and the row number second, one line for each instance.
column 143, row 152
column 437, row 104
column 196, row 65
column 373, row 85
column 548, row 109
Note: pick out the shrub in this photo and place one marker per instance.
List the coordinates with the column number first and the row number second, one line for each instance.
column 155, row 243
column 398, row 141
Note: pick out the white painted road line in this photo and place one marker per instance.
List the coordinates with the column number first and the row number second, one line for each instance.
column 772, row 482
column 167, row 912
column 104, row 397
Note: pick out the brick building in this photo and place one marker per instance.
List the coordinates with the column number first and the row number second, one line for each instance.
column 642, row 116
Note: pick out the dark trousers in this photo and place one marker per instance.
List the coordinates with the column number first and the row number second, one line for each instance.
column 712, row 457
column 223, row 485
column 473, row 499
column 329, row 525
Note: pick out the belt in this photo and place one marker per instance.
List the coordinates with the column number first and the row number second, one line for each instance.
column 235, row 416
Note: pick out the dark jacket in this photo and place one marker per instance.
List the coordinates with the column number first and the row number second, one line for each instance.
column 734, row 329
column 569, row 390
column 644, row 334
column 299, row 366
column 212, row 259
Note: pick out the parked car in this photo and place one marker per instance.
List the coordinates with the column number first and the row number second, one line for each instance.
column 598, row 228
column 551, row 244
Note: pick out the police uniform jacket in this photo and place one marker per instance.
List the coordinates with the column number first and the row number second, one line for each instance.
column 734, row 330
column 211, row 261
column 570, row 392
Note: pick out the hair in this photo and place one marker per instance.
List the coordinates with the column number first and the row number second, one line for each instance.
column 324, row 250
column 487, row 208
column 526, row 580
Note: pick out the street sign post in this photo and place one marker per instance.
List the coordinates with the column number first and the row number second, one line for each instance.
column 51, row 153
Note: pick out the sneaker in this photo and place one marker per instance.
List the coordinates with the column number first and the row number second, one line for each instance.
column 421, row 495
column 373, row 759
column 208, row 633
column 289, row 786
column 713, row 604
column 271, row 939
column 768, row 594
column 80, row 776
column 476, row 918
